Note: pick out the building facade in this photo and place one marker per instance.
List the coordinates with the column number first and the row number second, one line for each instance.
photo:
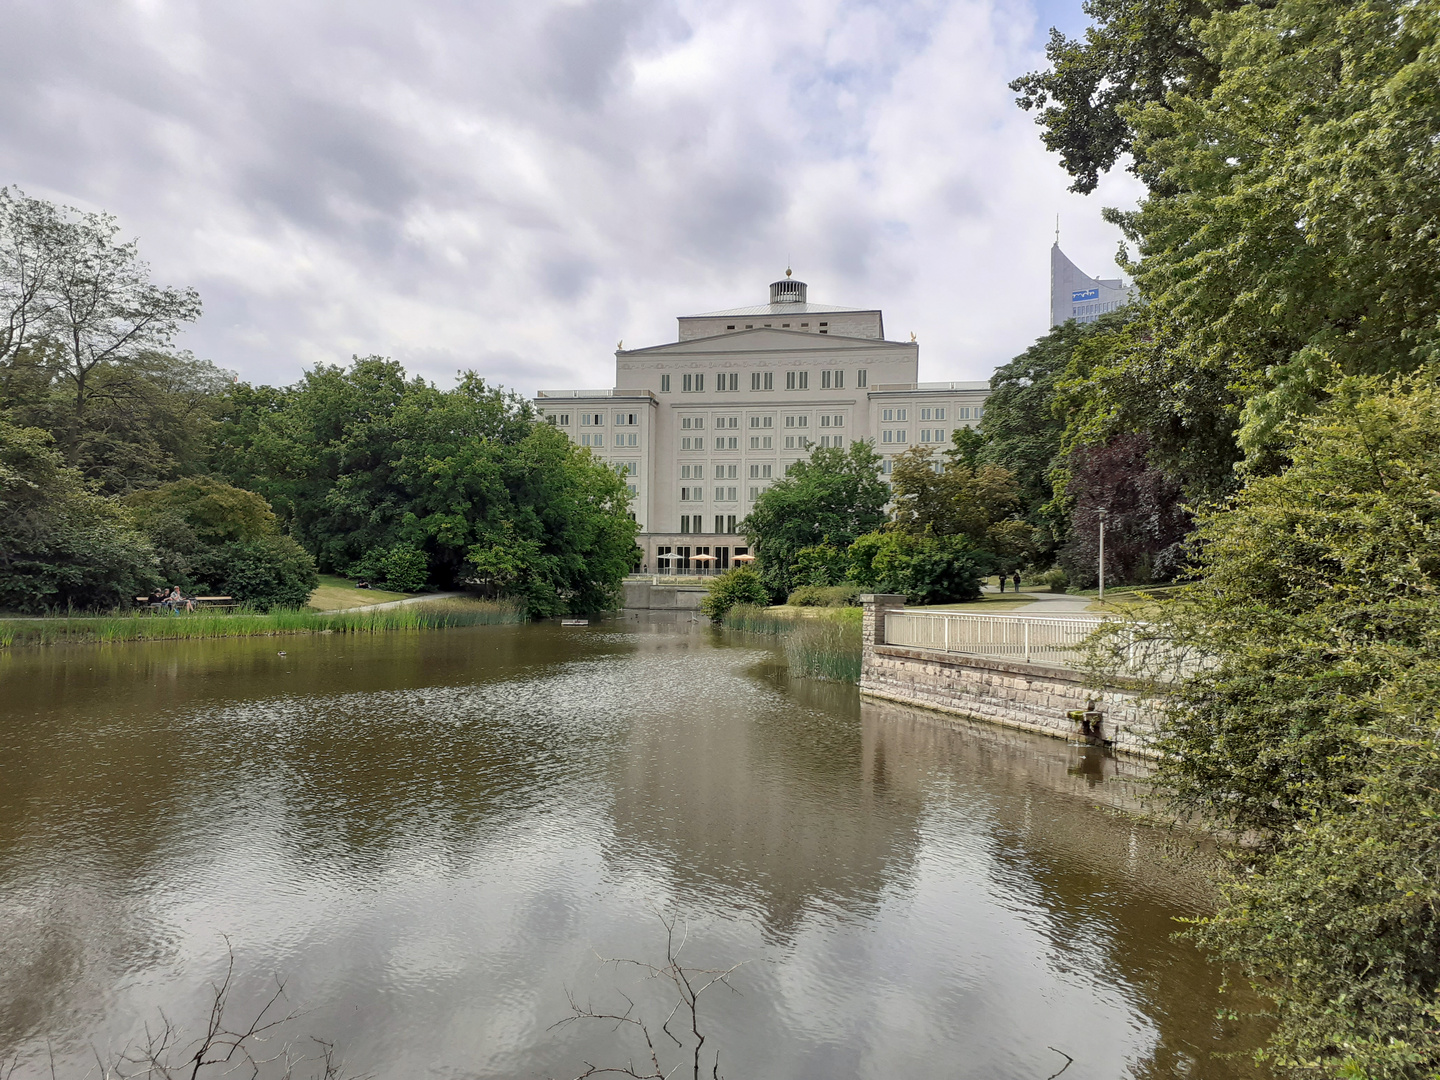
column 1076, row 295
column 701, row 425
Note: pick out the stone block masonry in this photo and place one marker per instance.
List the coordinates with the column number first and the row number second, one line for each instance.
column 1030, row 697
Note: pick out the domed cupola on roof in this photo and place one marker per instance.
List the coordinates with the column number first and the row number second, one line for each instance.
column 787, row 290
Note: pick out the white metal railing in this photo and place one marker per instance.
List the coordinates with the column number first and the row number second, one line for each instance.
column 1141, row 652
column 1026, row 638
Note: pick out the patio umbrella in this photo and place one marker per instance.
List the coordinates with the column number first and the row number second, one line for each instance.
column 703, row 558
column 744, row 558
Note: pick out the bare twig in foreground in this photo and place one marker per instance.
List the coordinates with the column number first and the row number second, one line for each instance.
column 690, row 985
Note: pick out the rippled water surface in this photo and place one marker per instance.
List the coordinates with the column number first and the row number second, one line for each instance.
column 431, row 836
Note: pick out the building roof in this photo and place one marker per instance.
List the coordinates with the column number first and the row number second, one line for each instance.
column 777, row 309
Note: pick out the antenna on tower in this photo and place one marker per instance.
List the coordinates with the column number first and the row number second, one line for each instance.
column 1057, row 229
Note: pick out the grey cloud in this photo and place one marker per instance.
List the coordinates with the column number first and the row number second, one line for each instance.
column 516, row 185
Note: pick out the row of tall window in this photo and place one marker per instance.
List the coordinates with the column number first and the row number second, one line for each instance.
column 695, row 523
column 621, row 438
column 694, row 382
column 697, row 472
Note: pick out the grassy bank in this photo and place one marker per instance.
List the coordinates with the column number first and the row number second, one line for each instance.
column 820, row 643
column 337, row 593
column 136, row 626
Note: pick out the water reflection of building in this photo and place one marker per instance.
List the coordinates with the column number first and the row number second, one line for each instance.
column 761, row 804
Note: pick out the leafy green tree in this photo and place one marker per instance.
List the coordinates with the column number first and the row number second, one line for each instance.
column 739, row 585
column 215, row 539
column 830, row 498
column 935, row 497
column 1134, row 52
column 1312, row 729
column 68, row 284
column 927, row 569
column 61, row 545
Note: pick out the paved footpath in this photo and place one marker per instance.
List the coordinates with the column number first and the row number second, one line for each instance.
column 1047, row 604
column 400, row 603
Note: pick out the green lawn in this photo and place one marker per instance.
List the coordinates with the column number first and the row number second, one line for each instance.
column 338, row 594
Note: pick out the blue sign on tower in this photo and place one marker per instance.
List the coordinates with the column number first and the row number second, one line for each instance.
column 1087, row 294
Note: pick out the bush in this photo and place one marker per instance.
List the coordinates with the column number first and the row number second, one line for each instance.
column 213, row 538
column 926, row 569
column 271, row 571
column 738, row 586
column 825, row 596
column 1055, row 579
column 405, row 568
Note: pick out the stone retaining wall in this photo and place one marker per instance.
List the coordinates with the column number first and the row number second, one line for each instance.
column 1031, row 697
column 645, row 595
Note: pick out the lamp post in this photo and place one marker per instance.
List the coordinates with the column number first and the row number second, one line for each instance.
column 1103, row 512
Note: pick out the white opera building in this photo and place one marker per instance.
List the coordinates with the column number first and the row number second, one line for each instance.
column 701, row 425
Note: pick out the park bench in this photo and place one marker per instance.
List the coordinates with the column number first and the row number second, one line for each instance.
column 217, row 602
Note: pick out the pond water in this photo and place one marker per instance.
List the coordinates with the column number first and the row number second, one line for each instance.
column 430, row 837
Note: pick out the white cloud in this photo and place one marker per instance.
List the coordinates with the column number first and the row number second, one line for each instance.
column 516, row 186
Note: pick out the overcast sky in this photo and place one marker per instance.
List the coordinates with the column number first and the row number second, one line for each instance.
column 514, row 186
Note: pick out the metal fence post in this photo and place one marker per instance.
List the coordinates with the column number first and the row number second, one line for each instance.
column 1027, row 643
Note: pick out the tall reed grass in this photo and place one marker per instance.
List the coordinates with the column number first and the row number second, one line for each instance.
column 824, row 645
column 148, row 626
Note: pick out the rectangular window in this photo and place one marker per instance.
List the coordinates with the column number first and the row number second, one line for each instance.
column 730, row 522
column 940, row 434
column 599, row 440
column 664, row 384
column 633, row 440
column 790, row 380
column 564, row 419
column 700, row 383
column 632, row 489
column 789, row 442
column 825, row 380
column 754, row 421
column 769, row 380
column 838, row 440
column 719, row 494
column 887, row 415
column 825, row 422
column 767, row 421
column 719, row 442
column 730, row 471
column 767, row 442
column 979, row 412
column 824, row 440
column 732, row 443
column 887, row 466
column 925, row 414
column 860, row 379
column 900, row 435
column 839, row 380
column 754, row 442
column 924, row 435
column 900, row 414
column 839, row 421
column 766, row 471
column 802, row 421
column 754, row 472
column 939, row 414
column 789, row 421
column 719, row 523
column 754, row 380
column 887, row 435
column 687, row 383
column 754, row 493
column 804, row 380
column 962, row 413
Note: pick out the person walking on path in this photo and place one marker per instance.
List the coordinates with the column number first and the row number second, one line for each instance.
column 1016, row 580
column 1002, row 584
